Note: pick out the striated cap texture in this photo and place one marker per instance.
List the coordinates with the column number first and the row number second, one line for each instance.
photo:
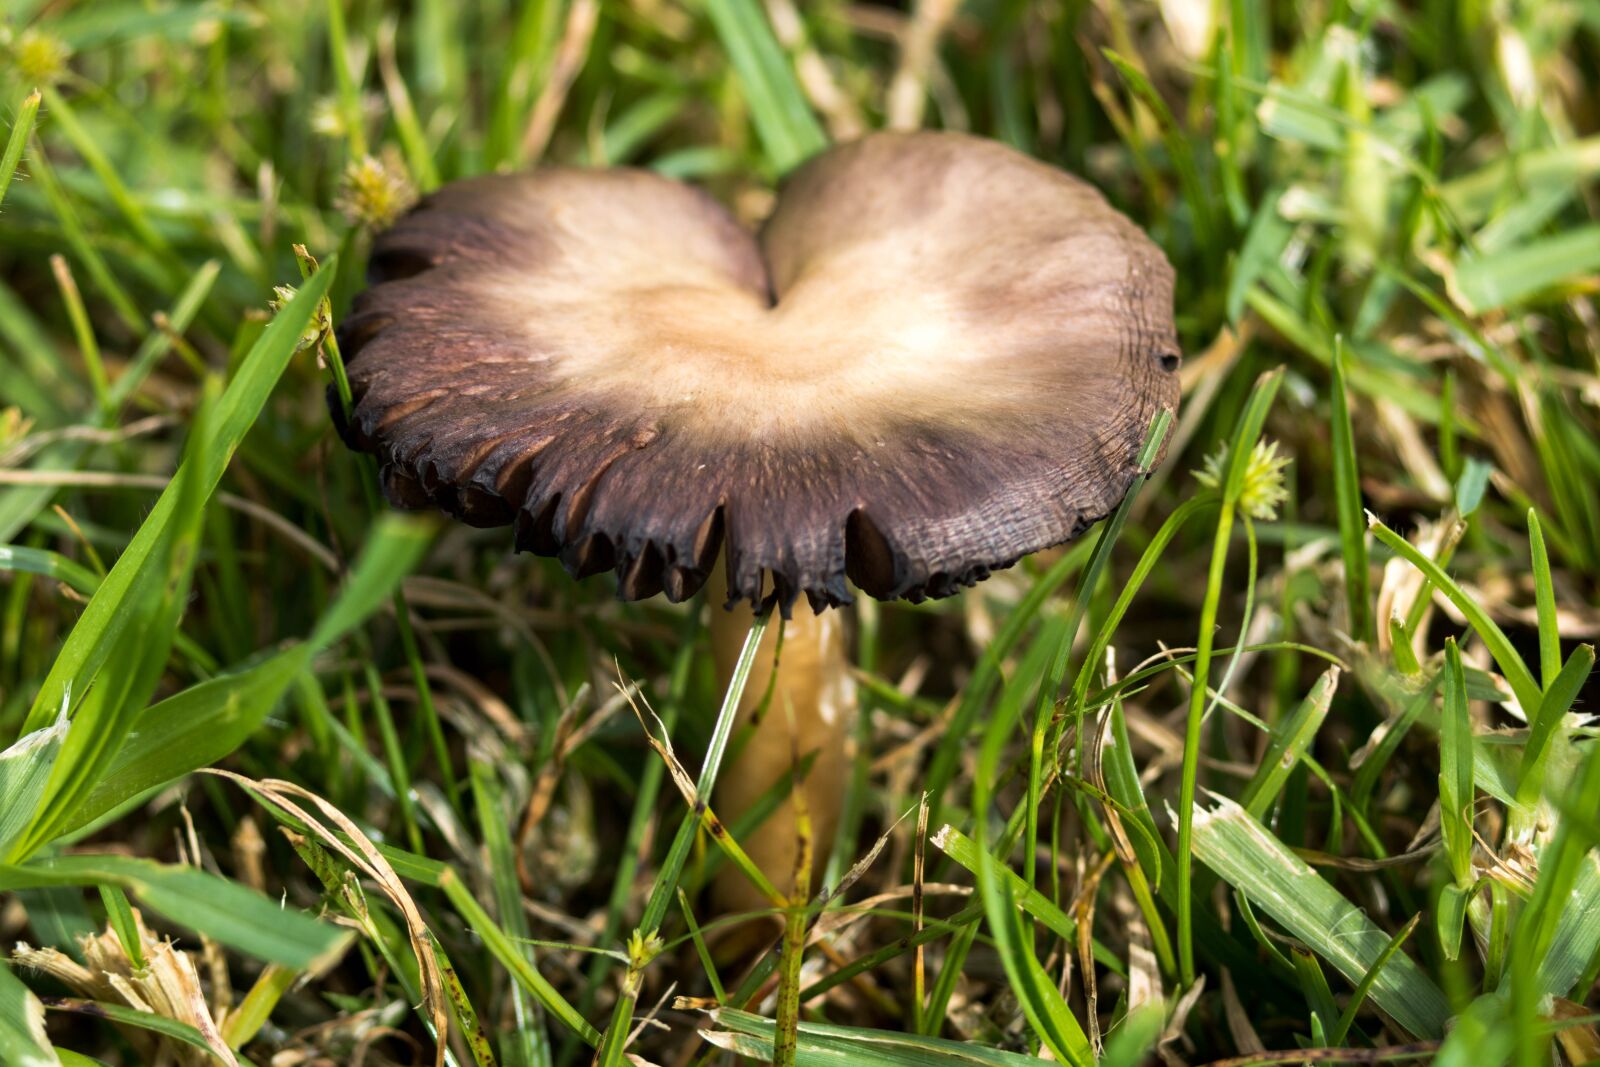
column 937, row 356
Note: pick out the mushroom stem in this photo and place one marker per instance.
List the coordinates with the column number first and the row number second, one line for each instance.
column 812, row 708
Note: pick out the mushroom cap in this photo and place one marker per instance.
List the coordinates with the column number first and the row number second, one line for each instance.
column 937, row 356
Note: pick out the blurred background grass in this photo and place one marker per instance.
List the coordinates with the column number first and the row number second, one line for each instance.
column 1394, row 203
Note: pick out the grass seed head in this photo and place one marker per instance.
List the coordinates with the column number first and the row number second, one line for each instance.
column 375, row 190
column 1264, row 487
column 40, row 58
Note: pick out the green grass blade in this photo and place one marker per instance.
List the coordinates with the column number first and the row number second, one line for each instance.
column 104, row 620
column 783, row 118
column 1544, row 603
column 1456, row 792
column 1291, row 738
column 1576, row 940
column 1048, row 1014
column 25, row 770
column 49, row 564
column 1563, row 865
column 77, row 237
column 216, row 907
column 63, row 115
column 1347, row 504
column 1480, row 1037
column 827, row 1045
column 1319, row 995
column 1364, row 987
column 1245, row 855
column 123, row 1015
column 1394, row 732
column 666, row 882
column 23, row 1041
column 132, row 668
column 17, row 140
column 961, row 848
column 1505, row 654
column 527, row 1043
column 119, row 916
column 1264, row 242
column 349, row 93
column 510, row 956
column 1196, row 193
column 205, row 722
column 1546, row 722
column 1240, row 448
column 1494, row 280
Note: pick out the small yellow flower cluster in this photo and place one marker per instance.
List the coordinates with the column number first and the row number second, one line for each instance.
column 375, row 190
column 40, row 58
column 642, row 949
column 1264, row 489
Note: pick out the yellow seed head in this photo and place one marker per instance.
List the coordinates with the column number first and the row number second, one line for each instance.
column 642, row 949
column 375, row 191
column 1264, row 484
column 41, row 59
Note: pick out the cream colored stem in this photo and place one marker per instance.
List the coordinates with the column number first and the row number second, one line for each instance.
column 812, row 708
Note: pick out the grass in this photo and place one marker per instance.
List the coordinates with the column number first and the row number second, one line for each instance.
column 1285, row 761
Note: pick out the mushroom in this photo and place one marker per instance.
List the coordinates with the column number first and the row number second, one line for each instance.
column 937, row 357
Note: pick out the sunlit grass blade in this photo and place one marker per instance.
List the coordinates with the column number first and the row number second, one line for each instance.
column 1049, row 1016
column 961, row 848
column 132, row 669
column 119, row 916
column 1563, row 865
column 1480, row 1037
column 123, row 1015
column 1246, row 855
column 789, row 131
column 1576, row 941
column 826, row 1045
column 1494, row 280
column 105, row 619
column 1319, row 995
column 1544, row 603
column 204, row 723
column 21, row 126
column 528, row 1041
column 666, row 882
column 1346, row 1020
column 1545, row 724
column 1264, row 243
column 23, row 1040
column 510, row 956
column 1291, row 738
column 1241, row 447
column 25, row 769
column 216, row 907
column 1047, row 731
column 1505, row 655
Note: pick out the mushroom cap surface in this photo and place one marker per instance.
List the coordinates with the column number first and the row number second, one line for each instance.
column 937, row 356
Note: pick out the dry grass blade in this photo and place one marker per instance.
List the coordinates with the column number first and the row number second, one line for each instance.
column 571, row 54
column 908, row 91
column 363, row 856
